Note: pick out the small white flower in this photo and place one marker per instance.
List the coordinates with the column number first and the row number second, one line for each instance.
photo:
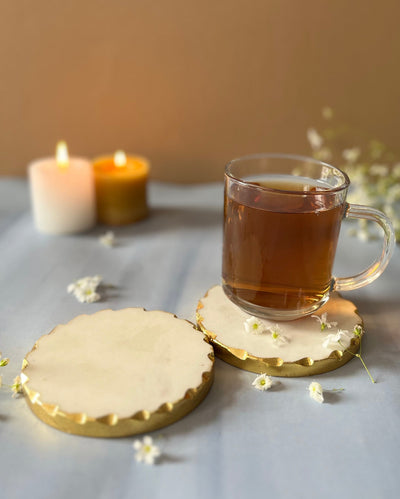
column 262, row 382
column 107, row 239
column 323, row 321
column 316, row 392
column 327, row 113
column 277, row 337
column 358, row 330
column 87, row 294
column 314, row 138
column 146, row 451
column 335, row 340
column 16, row 387
column 254, row 325
column 379, row 170
column 351, row 155
column 85, row 289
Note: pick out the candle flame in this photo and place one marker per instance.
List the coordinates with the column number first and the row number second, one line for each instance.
column 62, row 157
column 119, row 159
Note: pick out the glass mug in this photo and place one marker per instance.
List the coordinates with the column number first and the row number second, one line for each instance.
column 282, row 217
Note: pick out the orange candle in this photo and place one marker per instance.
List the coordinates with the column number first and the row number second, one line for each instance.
column 121, row 184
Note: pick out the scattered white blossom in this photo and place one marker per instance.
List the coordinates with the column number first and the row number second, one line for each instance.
column 315, row 139
column 335, row 340
column 262, row 382
column 107, row 239
column 146, row 451
column 254, row 325
column 16, row 387
column 85, row 289
column 278, row 339
column 316, row 392
column 351, row 155
column 323, row 321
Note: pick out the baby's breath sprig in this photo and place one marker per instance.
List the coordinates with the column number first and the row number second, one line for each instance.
column 357, row 331
column 373, row 169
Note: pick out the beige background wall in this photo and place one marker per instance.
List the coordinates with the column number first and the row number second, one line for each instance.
column 191, row 84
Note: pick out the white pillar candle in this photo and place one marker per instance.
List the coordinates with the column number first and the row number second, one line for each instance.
column 62, row 193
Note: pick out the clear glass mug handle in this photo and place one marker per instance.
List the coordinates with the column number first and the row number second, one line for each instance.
column 378, row 266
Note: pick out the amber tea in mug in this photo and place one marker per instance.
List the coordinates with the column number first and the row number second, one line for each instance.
column 282, row 218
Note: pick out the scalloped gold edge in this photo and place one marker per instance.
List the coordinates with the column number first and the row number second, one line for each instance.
column 110, row 425
column 275, row 366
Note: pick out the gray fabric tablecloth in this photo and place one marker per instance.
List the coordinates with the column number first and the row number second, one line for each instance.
column 239, row 442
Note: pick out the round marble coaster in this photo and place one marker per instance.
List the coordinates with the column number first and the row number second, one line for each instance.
column 295, row 348
column 118, row 373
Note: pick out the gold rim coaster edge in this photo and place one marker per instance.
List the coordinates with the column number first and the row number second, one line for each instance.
column 111, row 425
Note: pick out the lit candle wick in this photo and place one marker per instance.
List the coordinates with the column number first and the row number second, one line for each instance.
column 120, row 159
column 62, row 157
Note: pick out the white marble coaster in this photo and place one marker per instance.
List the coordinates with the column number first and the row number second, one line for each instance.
column 109, row 371
column 306, row 346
